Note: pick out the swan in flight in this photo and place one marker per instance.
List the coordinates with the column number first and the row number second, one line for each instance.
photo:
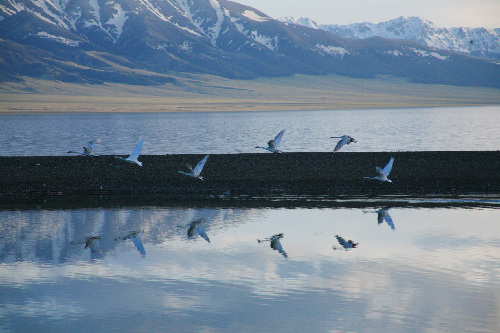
column 344, row 139
column 272, row 145
column 135, row 154
column 89, row 150
column 195, row 173
column 382, row 174
column 383, row 214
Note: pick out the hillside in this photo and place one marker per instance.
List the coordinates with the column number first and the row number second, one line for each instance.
column 201, row 92
column 143, row 42
column 479, row 42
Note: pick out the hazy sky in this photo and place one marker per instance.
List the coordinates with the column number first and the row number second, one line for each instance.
column 444, row 13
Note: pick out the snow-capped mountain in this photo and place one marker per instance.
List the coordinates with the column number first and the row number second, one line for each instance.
column 99, row 40
column 474, row 41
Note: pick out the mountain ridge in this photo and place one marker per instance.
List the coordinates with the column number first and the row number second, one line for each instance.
column 479, row 42
column 94, row 41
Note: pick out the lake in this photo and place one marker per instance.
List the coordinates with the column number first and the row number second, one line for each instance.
column 444, row 128
column 300, row 264
column 425, row 266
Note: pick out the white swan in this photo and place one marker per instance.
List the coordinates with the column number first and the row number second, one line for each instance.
column 195, row 173
column 344, row 139
column 272, row 145
column 135, row 154
column 89, row 150
column 382, row 174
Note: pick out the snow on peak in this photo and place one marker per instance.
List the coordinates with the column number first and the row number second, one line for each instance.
column 423, row 53
column 306, row 22
column 270, row 42
column 118, row 20
column 155, row 10
column 202, row 24
column 250, row 14
column 477, row 41
column 333, row 50
column 215, row 30
column 58, row 39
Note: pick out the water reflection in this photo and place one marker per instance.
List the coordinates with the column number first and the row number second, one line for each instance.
column 274, row 242
column 404, row 281
column 383, row 215
column 346, row 244
column 196, row 228
column 92, row 243
column 135, row 237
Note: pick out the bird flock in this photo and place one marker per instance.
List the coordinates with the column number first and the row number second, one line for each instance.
column 272, row 146
column 196, row 228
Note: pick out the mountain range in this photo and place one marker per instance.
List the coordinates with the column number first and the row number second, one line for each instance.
column 479, row 42
column 148, row 42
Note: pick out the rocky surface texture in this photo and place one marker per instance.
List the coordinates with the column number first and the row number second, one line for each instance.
column 261, row 174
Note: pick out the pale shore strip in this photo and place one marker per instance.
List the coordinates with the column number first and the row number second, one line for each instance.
column 208, row 94
column 429, row 173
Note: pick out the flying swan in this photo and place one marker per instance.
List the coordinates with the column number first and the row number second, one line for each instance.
column 272, row 145
column 382, row 174
column 195, row 173
column 344, row 139
column 89, row 150
column 135, row 154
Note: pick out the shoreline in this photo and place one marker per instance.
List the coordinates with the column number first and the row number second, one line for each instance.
column 205, row 93
column 253, row 175
column 237, row 107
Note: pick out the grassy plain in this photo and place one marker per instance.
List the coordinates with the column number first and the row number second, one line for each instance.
column 193, row 93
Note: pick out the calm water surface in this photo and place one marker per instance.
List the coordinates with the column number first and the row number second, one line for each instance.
column 249, row 268
column 188, row 269
column 458, row 128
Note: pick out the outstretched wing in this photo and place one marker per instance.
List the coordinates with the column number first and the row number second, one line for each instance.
column 137, row 150
column 277, row 139
column 200, row 165
column 388, row 219
column 388, row 167
column 92, row 144
column 136, row 239
column 341, row 143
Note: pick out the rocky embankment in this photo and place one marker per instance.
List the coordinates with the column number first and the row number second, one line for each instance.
column 330, row 174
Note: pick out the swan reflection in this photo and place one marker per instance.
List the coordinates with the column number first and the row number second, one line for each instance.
column 135, row 237
column 346, row 244
column 93, row 243
column 275, row 243
column 383, row 215
column 196, row 228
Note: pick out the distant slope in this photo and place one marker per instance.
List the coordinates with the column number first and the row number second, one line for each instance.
column 144, row 42
column 202, row 92
column 479, row 42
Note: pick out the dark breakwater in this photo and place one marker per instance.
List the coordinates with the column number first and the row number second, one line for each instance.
column 266, row 174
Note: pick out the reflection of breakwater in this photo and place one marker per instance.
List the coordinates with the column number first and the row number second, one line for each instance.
column 332, row 174
column 57, row 236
